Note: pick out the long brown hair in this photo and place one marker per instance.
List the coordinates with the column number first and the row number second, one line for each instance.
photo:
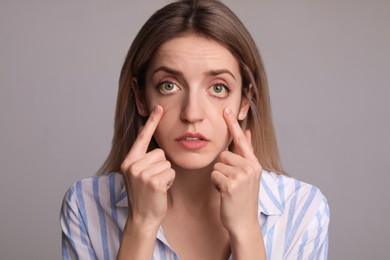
column 207, row 18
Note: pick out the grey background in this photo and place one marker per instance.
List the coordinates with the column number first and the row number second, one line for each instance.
column 328, row 64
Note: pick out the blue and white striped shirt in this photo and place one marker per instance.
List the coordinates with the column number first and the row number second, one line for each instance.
column 294, row 217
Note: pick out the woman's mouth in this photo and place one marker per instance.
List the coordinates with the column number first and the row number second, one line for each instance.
column 192, row 141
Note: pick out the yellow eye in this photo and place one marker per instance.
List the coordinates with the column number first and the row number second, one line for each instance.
column 168, row 87
column 219, row 90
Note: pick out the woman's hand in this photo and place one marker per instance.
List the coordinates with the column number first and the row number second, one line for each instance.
column 237, row 177
column 147, row 176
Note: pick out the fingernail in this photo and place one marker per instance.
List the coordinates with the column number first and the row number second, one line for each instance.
column 228, row 111
column 157, row 109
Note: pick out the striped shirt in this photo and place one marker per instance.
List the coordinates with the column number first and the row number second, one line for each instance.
column 294, row 217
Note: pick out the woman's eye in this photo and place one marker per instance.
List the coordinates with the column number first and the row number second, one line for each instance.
column 168, row 87
column 219, row 90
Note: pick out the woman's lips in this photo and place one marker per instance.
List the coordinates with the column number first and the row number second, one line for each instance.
column 192, row 141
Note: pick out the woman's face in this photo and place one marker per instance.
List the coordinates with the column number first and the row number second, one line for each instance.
column 194, row 79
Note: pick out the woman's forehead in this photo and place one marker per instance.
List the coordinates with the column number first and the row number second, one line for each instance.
column 194, row 51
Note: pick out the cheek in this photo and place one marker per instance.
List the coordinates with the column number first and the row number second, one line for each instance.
column 216, row 111
column 166, row 103
column 167, row 123
column 164, row 124
column 218, row 125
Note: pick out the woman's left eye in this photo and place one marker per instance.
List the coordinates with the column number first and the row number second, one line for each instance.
column 219, row 90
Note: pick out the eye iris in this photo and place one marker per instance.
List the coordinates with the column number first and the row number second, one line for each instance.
column 169, row 86
column 218, row 88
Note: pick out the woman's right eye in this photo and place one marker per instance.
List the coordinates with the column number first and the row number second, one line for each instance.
column 168, row 87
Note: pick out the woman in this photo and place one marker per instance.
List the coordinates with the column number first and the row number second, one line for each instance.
column 194, row 171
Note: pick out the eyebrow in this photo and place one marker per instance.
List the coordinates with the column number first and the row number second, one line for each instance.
column 178, row 73
column 168, row 70
column 219, row 72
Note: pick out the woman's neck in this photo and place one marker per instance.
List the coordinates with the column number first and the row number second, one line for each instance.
column 193, row 190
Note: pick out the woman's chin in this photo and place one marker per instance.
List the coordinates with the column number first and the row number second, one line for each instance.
column 192, row 163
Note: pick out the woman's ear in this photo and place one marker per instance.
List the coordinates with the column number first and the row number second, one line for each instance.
column 139, row 98
column 245, row 103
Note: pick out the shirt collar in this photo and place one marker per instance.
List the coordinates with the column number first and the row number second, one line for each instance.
column 270, row 198
column 122, row 198
column 271, row 201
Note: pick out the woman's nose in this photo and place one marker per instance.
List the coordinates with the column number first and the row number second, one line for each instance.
column 193, row 109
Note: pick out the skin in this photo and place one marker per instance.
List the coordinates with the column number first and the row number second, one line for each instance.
column 213, row 189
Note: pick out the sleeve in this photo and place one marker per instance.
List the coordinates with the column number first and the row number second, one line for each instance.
column 75, row 240
column 312, row 242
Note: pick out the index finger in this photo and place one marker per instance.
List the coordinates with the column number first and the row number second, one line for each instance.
column 141, row 144
column 240, row 140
